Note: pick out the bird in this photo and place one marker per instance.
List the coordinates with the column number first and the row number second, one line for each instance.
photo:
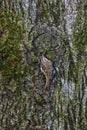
column 47, row 69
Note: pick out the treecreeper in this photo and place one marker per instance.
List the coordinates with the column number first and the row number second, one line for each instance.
column 47, row 69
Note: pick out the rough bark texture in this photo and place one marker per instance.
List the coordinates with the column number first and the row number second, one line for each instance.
column 57, row 30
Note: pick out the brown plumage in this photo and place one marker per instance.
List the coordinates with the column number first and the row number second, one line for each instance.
column 46, row 68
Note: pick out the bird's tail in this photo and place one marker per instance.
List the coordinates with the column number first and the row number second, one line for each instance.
column 47, row 82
